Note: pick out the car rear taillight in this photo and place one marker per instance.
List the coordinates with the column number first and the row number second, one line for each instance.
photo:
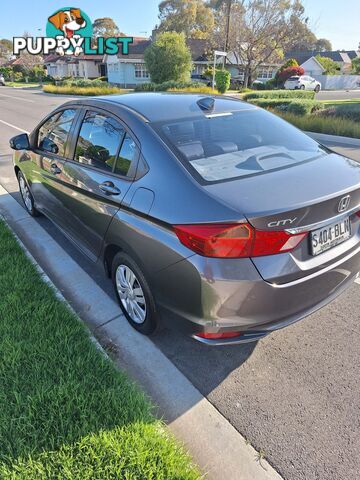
column 358, row 213
column 235, row 240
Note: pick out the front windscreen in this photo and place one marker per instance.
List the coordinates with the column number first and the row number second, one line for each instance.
column 222, row 147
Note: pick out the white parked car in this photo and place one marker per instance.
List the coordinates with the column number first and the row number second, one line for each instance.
column 303, row 82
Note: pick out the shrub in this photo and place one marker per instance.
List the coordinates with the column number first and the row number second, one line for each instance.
column 76, row 90
column 281, row 94
column 295, row 106
column 222, row 78
column 271, row 84
column 259, row 86
column 319, row 124
column 201, row 89
column 7, row 72
column 173, row 86
column 290, row 72
column 146, row 87
column 168, row 58
column 83, row 82
column 351, row 112
column 18, row 76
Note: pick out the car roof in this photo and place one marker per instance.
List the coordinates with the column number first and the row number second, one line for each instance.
column 157, row 107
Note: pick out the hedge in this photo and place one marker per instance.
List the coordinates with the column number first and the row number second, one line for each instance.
column 164, row 87
column 296, row 106
column 308, row 94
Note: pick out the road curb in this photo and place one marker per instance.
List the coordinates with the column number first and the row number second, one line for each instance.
column 215, row 445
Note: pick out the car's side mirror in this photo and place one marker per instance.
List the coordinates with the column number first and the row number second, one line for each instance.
column 20, row 142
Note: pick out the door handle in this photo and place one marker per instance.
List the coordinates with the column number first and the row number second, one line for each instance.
column 109, row 188
column 55, row 169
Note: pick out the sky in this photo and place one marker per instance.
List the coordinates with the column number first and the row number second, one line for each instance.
column 331, row 19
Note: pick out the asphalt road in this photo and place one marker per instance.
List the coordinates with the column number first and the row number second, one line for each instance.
column 338, row 94
column 295, row 395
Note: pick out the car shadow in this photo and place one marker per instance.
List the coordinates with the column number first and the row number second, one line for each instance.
column 205, row 366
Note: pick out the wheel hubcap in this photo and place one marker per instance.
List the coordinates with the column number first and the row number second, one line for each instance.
column 25, row 193
column 131, row 294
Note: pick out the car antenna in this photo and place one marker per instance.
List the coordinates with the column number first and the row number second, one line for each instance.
column 206, row 103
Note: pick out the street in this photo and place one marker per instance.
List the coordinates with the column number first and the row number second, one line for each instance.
column 294, row 395
column 338, row 94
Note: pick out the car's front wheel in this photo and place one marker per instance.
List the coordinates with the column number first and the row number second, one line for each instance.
column 134, row 294
column 302, row 87
column 26, row 195
column 317, row 88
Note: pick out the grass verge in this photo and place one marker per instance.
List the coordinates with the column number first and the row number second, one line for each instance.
column 22, row 84
column 66, row 412
column 319, row 124
column 74, row 90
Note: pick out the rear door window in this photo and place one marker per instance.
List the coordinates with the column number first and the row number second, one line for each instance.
column 53, row 135
column 99, row 141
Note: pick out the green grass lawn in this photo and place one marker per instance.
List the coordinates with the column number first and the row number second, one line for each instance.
column 22, row 84
column 66, row 412
column 338, row 103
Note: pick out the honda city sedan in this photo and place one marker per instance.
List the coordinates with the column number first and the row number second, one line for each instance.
column 209, row 214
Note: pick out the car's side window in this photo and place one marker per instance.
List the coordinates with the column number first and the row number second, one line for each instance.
column 99, row 141
column 128, row 155
column 53, row 135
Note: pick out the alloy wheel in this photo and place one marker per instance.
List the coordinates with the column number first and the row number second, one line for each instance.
column 25, row 193
column 131, row 294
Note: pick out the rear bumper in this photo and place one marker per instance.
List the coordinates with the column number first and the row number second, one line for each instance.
column 215, row 296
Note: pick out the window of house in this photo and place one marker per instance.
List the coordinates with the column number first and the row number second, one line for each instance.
column 141, row 71
column 53, row 135
column 99, row 140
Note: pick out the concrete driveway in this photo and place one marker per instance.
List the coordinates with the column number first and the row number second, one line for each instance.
column 295, row 395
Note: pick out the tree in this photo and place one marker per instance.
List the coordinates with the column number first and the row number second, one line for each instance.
column 191, row 17
column 5, row 48
column 227, row 6
column 105, row 27
column 331, row 67
column 323, row 45
column 168, row 58
column 262, row 33
column 356, row 65
column 290, row 72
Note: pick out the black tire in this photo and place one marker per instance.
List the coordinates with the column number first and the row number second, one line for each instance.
column 302, row 87
column 150, row 323
column 317, row 89
column 28, row 201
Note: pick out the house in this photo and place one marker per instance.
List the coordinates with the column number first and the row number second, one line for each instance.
column 313, row 67
column 83, row 66
column 342, row 58
column 130, row 70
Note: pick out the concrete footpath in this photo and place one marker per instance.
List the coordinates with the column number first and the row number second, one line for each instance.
column 215, row 445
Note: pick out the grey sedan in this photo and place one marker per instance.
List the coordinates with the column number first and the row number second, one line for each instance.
column 209, row 214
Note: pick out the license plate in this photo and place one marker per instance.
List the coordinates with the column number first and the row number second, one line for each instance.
column 330, row 236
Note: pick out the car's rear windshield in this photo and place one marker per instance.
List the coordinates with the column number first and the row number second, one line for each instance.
column 292, row 79
column 218, row 148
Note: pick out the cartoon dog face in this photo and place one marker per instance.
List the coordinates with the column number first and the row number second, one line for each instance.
column 68, row 21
